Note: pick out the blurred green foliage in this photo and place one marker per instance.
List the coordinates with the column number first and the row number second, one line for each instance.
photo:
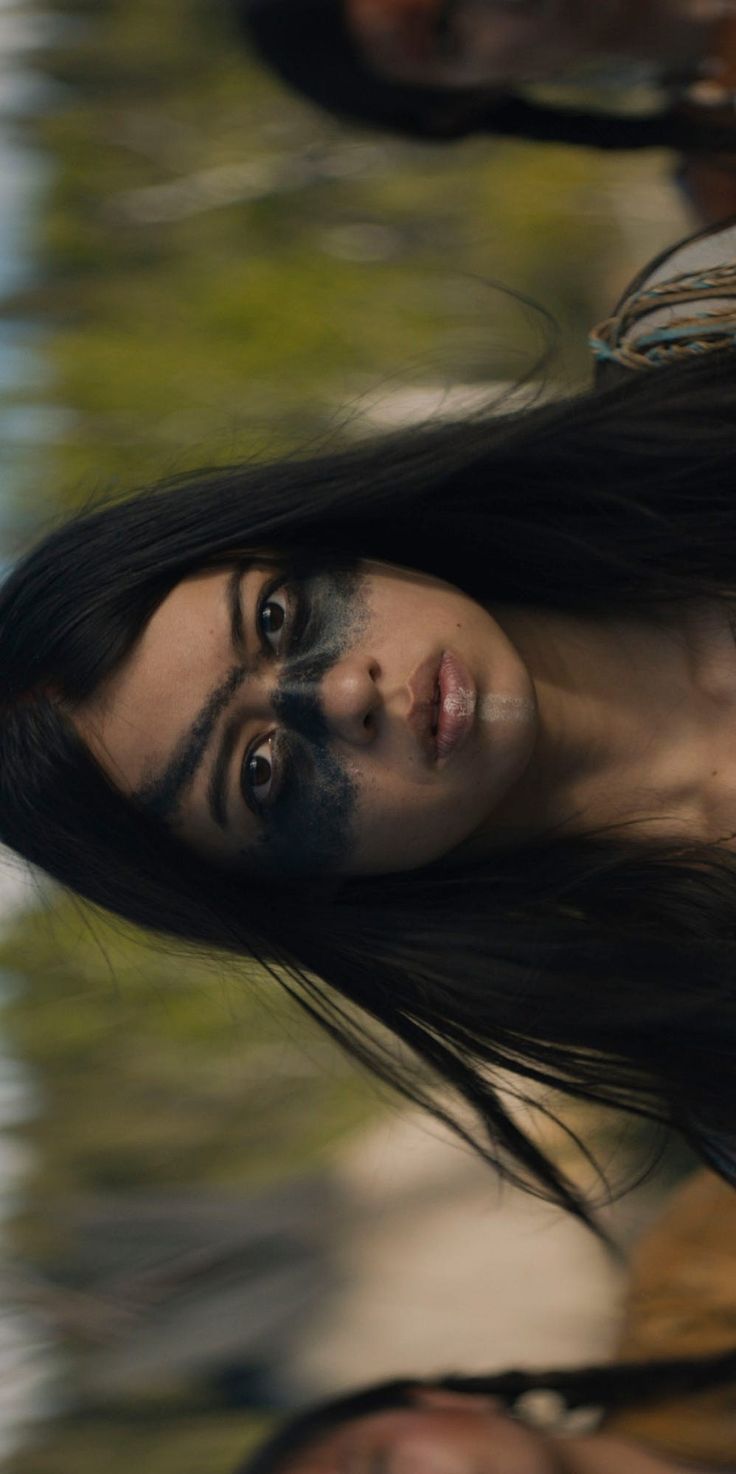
column 211, row 1444
column 223, row 267
column 159, row 1070
column 221, row 271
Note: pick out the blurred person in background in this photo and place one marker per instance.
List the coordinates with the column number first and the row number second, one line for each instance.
column 668, row 1404
column 615, row 74
column 438, row 728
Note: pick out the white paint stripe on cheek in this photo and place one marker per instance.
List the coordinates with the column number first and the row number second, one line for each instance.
column 505, row 708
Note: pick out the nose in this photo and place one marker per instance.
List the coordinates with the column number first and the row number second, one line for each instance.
column 351, row 699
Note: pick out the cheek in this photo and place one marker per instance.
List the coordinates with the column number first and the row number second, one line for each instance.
column 401, row 825
column 405, row 819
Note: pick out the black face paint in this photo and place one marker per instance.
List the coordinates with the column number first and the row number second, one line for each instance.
column 310, row 829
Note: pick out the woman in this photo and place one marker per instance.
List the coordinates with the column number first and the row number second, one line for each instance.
column 506, row 1424
column 438, row 729
column 444, row 69
column 668, row 1405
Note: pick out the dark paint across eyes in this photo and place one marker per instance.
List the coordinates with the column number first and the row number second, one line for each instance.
column 309, row 829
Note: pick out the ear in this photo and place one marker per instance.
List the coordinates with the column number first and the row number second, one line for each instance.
column 439, row 1400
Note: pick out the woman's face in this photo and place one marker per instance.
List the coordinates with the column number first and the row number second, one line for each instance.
column 443, row 1434
column 317, row 720
column 477, row 43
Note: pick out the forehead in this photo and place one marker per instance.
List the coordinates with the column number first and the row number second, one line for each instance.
column 138, row 715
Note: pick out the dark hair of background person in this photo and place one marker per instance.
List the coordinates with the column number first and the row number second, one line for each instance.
column 596, row 965
column 308, row 45
column 615, row 1387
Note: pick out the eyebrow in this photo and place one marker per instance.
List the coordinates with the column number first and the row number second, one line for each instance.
column 161, row 795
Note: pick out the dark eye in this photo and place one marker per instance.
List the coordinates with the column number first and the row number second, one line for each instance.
column 272, row 617
column 259, row 772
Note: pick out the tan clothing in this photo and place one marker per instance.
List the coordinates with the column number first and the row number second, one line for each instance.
column 681, row 1302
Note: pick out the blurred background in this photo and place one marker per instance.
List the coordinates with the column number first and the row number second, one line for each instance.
column 205, row 1213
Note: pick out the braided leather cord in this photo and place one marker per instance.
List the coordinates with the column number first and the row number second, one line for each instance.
column 710, row 330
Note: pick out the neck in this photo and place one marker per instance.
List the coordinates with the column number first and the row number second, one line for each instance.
column 635, row 727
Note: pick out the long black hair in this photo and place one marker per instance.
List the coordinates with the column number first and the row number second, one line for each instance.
column 608, row 1389
column 601, row 966
column 308, row 45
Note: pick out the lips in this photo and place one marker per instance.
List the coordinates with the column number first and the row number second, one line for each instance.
column 443, row 705
column 457, row 704
column 423, row 715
